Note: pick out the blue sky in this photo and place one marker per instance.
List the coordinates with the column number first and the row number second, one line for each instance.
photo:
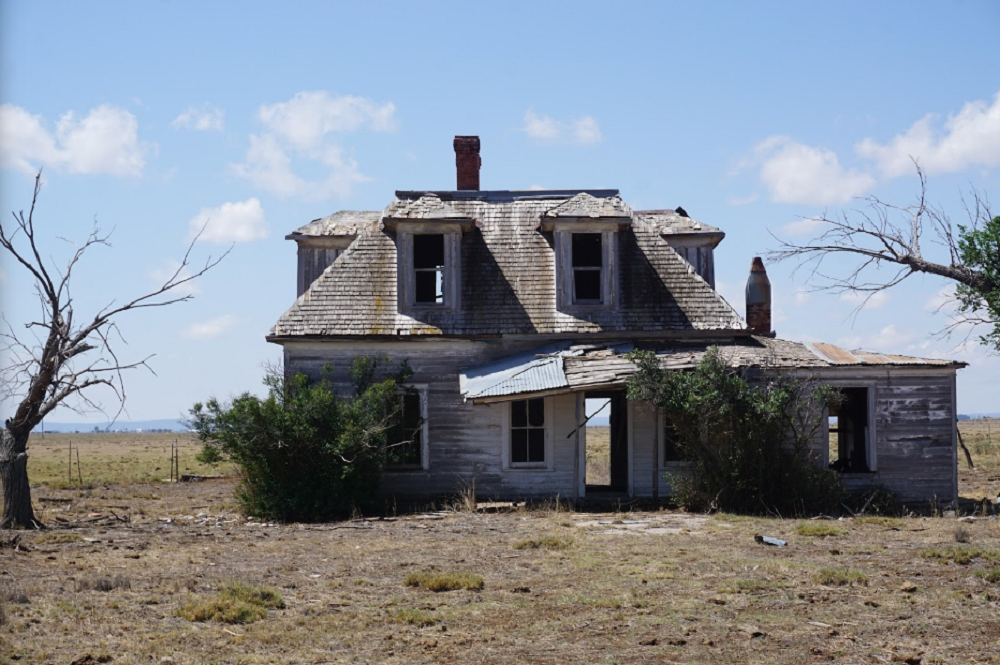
column 151, row 117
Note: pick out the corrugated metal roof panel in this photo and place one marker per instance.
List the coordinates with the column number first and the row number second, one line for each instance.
column 837, row 356
column 524, row 372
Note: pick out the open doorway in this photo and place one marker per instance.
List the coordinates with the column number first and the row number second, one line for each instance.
column 607, row 441
column 849, row 439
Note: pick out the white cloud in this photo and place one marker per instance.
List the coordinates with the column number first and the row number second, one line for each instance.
column 797, row 173
column 299, row 129
column 106, row 141
column 168, row 271
column 231, row 222
column 306, row 119
column 943, row 300
column 888, row 340
column 210, row 329
column 804, row 226
column 586, row 130
column 206, row 118
column 867, row 301
column 269, row 166
column 970, row 137
column 582, row 131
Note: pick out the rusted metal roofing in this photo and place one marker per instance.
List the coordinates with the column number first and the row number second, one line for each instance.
column 835, row 355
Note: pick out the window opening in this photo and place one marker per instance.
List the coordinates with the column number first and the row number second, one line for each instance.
column 671, row 450
column 527, row 431
column 848, row 423
column 587, row 267
column 428, row 266
column 405, row 434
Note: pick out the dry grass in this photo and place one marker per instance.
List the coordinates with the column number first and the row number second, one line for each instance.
column 111, row 458
column 235, row 604
column 445, row 581
column 544, row 543
column 658, row 587
column 819, row 529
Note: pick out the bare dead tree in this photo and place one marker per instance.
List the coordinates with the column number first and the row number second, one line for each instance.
column 886, row 243
column 60, row 358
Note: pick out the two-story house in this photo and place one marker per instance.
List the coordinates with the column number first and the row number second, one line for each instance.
column 515, row 307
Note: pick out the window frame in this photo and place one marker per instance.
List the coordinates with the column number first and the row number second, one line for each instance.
column 566, row 271
column 451, row 270
column 424, row 464
column 506, row 429
column 871, row 434
column 661, row 448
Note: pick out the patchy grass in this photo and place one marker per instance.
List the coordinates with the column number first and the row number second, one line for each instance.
column 840, row 577
column 627, row 593
column 103, row 583
column 235, row 604
column 963, row 555
column 880, row 520
column 56, row 537
column 413, row 617
column 992, row 575
column 445, row 581
column 544, row 543
column 819, row 529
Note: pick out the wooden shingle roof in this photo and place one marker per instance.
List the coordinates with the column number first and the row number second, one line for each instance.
column 508, row 277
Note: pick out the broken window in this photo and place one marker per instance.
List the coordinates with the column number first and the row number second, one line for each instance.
column 428, row 268
column 527, row 431
column 849, row 436
column 405, row 436
column 587, row 268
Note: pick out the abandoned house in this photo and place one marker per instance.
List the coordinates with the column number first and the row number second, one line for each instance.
column 516, row 308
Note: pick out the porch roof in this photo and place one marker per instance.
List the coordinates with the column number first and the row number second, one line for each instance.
column 570, row 367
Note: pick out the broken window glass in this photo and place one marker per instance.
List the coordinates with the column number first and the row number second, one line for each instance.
column 428, row 268
column 527, row 431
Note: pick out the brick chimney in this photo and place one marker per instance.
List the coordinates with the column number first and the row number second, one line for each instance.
column 467, row 161
column 759, row 299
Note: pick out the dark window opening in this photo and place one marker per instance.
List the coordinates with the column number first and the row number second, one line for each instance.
column 428, row 267
column 587, row 267
column 527, row 431
column 671, row 448
column 405, row 435
column 849, row 432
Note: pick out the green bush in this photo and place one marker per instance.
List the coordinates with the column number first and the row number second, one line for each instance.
column 305, row 452
column 746, row 433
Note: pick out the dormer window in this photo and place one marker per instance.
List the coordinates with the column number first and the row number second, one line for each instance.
column 588, row 267
column 585, row 266
column 428, row 269
column 585, row 229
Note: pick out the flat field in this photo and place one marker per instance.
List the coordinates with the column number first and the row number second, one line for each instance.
column 127, row 563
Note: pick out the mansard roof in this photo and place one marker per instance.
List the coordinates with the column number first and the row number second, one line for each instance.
column 508, row 278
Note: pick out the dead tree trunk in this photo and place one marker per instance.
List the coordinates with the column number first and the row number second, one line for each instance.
column 17, row 510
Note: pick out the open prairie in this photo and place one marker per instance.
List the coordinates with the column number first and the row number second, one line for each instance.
column 135, row 570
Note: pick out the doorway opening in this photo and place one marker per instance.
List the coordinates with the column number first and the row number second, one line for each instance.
column 606, row 441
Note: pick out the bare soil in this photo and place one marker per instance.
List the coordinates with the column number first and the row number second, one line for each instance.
column 625, row 587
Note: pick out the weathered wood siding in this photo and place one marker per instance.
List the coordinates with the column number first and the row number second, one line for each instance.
column 913, row 423
column 464, row 440
column 915, row 444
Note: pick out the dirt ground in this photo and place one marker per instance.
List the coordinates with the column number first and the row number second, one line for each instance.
column 120, row 559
